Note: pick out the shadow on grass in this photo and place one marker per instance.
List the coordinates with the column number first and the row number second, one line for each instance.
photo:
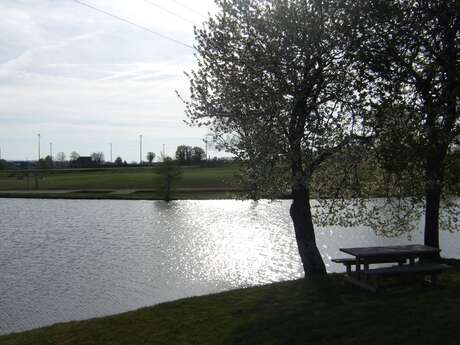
column 325, row 311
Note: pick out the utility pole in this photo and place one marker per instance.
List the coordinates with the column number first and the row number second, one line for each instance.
column 38, row 147
column 140, row 149
column 206, row 141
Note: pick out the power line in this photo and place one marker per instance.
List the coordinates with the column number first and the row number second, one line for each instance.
column 132, row 23
column 170, row 12
column 188, row 8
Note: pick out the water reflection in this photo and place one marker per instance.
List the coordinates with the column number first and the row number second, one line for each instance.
column 75, row 259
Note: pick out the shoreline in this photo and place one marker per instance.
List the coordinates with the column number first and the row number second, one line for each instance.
column 127, row 194
column 130, row 194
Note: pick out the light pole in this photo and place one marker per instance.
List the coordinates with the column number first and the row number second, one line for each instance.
column 51, row 150
column 111, row 160
column 140, row 149
column 206, row 141
column 38, row 147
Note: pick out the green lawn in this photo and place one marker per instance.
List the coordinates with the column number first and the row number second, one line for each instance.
column 326, row 311
column 192, row 177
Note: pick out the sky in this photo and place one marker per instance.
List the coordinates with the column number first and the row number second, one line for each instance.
column 83, row 79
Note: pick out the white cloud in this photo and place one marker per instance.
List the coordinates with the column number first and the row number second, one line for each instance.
column 82, row 78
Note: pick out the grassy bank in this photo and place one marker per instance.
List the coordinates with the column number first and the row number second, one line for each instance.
column 296, row 312
column 144, row 183
column 119, row 178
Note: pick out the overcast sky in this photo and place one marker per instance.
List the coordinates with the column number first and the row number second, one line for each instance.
column 83, row 79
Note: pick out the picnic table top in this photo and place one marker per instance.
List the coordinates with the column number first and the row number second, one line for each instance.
column 394, row 251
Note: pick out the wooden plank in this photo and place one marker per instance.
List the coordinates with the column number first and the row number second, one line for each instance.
column 353, row 261
column 403, row 270
column 391, row 251
column 344, row 260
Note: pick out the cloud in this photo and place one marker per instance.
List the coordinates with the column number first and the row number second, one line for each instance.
column 78, row 76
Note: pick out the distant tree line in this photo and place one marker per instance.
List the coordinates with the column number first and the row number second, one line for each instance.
column 185, row 155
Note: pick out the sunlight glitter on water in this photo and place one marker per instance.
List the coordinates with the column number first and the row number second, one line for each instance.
column 64, row 260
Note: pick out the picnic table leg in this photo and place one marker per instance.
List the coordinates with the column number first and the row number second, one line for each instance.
column 358, row 268
column 348, row 265
column 411, row 278
column 366, row 267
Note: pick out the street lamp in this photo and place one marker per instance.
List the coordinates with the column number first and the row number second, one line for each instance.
column 38, row 147
column 140, row 149
column 206, row 141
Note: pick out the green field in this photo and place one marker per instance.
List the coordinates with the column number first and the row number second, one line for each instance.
column 123, row 178
column 325, row 311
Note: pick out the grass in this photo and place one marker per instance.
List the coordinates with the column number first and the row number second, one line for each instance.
column 325, row 311
column 123, row 178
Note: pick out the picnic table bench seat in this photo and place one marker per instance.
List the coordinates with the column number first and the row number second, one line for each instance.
column 403, row 270
column 431, row 269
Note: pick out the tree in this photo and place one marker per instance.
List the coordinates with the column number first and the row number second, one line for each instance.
column 150, row 157
column 169, row 172
column 45, row 163
column 183, row 154
column 409, row 54
column 198, row 154
column 97, row 157
column 74, row 156
column 4, row 164
column 273, row 82
column 60, row 157
column 189, row 155
column 119, row 161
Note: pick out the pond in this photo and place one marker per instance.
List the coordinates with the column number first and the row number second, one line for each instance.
column 64, row 260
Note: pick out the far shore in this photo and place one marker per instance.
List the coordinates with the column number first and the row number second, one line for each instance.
column 127, row 194
column 138, row 183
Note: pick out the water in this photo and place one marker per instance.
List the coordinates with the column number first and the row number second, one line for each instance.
column 64, row 260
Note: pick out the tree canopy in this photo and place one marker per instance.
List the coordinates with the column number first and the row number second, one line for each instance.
column 273, row 81
column 150, row 157
column 408, row 56
column 189, row 155
column 169, row 172
column 97, row 157
column 295, row 88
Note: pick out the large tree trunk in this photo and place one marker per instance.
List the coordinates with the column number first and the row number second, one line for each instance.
column 300, row 211
column 433, row 189
column 433, row 198
column 312, row 261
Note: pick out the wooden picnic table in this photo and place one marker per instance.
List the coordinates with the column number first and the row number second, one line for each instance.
column 365, row 256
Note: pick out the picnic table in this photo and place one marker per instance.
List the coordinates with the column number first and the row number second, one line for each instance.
column 405, row 256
